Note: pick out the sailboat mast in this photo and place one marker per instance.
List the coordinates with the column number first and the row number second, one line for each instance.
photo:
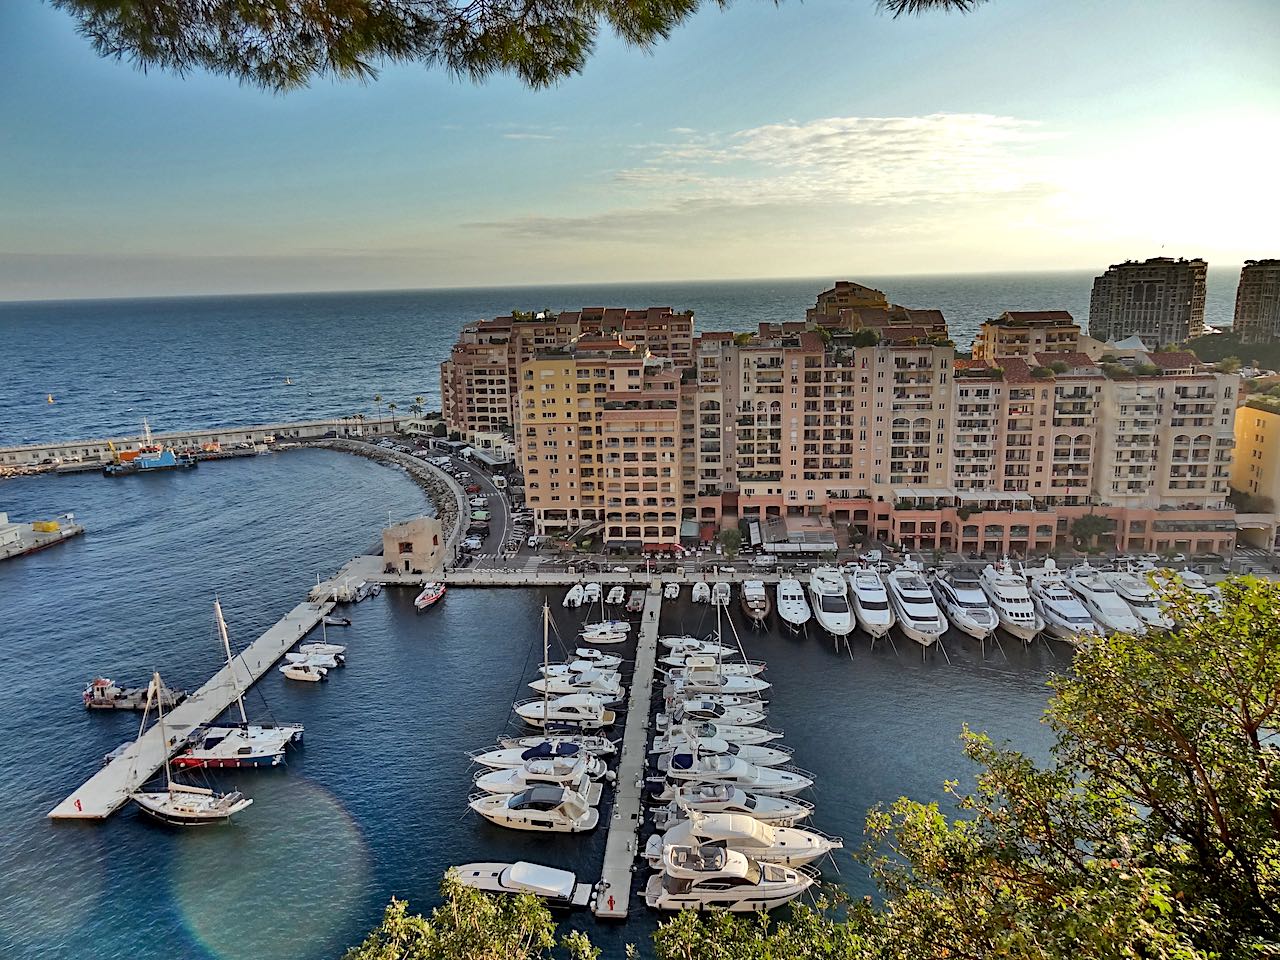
column 156, row 687
column 546, row 680
column 226, row 647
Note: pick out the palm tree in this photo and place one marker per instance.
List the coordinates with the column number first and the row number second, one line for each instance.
column 391, row 409
column 416, row 407
column 377, row 398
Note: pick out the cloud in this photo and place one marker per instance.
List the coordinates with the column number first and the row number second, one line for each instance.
column 527, row 136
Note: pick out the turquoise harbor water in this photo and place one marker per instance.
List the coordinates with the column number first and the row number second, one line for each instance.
column 215, row 361
column 374, row 804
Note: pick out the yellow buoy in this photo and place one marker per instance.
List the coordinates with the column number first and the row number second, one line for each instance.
column 50, row 399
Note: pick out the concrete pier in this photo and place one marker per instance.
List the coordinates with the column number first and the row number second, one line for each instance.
column 622, row 845
column 108, row 790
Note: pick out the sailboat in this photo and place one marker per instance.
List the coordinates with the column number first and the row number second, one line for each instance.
column 181, row 804
column 242, row 744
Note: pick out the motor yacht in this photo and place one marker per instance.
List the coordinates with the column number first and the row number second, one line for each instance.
column 671, row 591
column 591, row 593
column 680, row 646
column 575, row 667
column 580, row 710
column 963, row 603
column 870, row 602
column 1062, row 613
column 1142, row 600
column 559, row 888
column 596, row 745
column 1108, row 610
column 789, row 846
column 756, row 753
column 683, row 798
column 616, row 596
column 607, row 626
column 323, row 649
column 755, row 602
column 713, row 878
column 722, row 768
column 330, row 661
column 635, row 601
column 701, row 592
column 304, row 672
column 432, row 593
column 598, row 658
column 829, row 596
column 742, row 715
column 705, row 729
column 538, row 773
column 721, row 593
column 793, row 608
column 1011, row 600
column 576, row 595
column 913, row 604
column 606, row 686
column 1200, row 589
column 696, row 682
column 548, row 809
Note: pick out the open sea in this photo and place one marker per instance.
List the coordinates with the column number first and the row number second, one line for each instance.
column 373, row 806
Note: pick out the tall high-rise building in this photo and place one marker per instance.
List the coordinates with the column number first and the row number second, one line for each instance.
column 1160, row 300
column 1257, row 318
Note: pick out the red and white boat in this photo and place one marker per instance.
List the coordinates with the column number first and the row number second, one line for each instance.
column 430, row 595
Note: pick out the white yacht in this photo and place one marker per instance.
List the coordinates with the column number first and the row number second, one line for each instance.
column 507, row 758
column 323, row 649
column 830, row 597
column 734, row 716
column 701, row 592
column 559, row 888
column 1064, row 616
column 330, row 661
column 580, row 710
column 1200, row 589
column 576, row 595
column 721, row 768
column 789, row 846
column 1109, row 612
column 306, row 672
column 681, row 666
column 1142, row 600
column 606, row 686
column 685, row 798
column 687, row 645
column 793, row 608
column 870, row 602
column 547, row 809
column 913, row 604
column 713, row 878
column 591, row 593
column 696, row 683
column 960, row 596
column 706, row 730
column 671, row 591
column 756, row 753
column 596, row 745
column 1011, row 600
column 575, row 667
column 598, row 658
column 617, row 596
column 538, row 773
column 721, row 592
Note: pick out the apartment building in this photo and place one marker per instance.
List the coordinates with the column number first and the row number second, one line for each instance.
column 857, row 417
column 1257, row 316
column 599, row 441
column 1160, row 300
column 1024, row 333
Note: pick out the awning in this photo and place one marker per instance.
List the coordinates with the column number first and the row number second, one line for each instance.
column 922, row 493
column 994, row 496
column 708, row 533
column 662, row 548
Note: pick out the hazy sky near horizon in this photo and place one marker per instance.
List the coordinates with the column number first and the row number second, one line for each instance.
column 815, row 138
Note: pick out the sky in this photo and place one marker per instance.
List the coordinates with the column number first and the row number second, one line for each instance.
column 821, row 138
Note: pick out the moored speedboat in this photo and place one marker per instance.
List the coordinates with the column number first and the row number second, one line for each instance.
column 1062, row 613
column 721, row 593
column 591, row 593
column 830, row 598
column 432, row 593
column 713, row 878
column 616, row 596
column 1109, row 612
column 683, row 646
column 635, row 601
column 671, row 591
column 330, row 661
column 789, row 846
column 575, row 596
column 546, row 809
column 755, row 602
column 559, row 888
column 913, row 604
column 1011, row 600
column 598, row 658
column 701, row 592
column 737, row 715
column 793, row 608
column 871, row 606
column 963, row 603
column 580, row 710
column 706, row 730
column 304, row 672
column 756, row 753
column 606, row 686
column 332, row 621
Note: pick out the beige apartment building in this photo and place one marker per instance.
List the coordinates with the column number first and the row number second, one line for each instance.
column 1257, row 316
column 1160, row 300
column 858, row 418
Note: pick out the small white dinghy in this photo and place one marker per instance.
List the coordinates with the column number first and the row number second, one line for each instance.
column 559, row 888
column 671, row 591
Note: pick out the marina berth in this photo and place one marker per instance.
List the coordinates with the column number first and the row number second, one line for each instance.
column 1063, row 615
column 681, row 666
column 681, row 799
column 1109, row 611
column 1141, row 598
column 330, row 661
column 871, row 607
column 323, row 649
column 544, row 809
column 606, row 627
column 568, row 774
column 963, row 603
column 605, row 661
column 701, row 592
column 721, row 593
column 1011, row 600
column 432, row 593
column 559, row 888
column 332, row 621
column 1200, row 589
column 577, row 667
column 793, row 609
column 734, row 772
column 755, row 602
column 767, row 843
column 917, row 613
column 829, row 595
column 713, row 878
column 635, row 602
column 698, row 682
column 580, row 710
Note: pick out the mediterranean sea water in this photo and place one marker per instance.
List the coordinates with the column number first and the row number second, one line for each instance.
column 213, row 361
column 374, row 805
